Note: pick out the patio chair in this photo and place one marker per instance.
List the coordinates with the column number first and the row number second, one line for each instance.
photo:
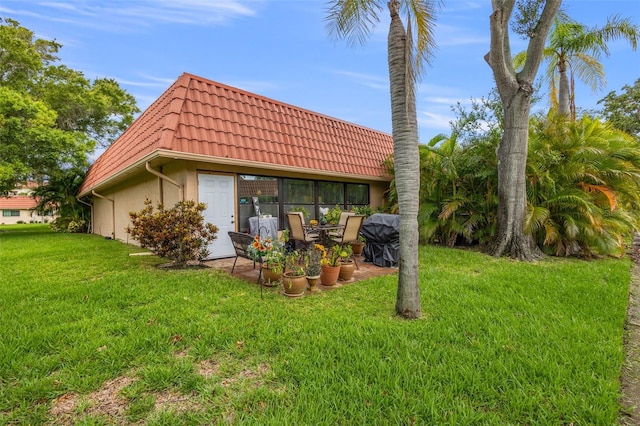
column 299, row 232
column 342, row 222
column 351, row 232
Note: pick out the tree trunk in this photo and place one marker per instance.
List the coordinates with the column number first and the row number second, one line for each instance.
column 512, row 198
column 564, row 104
column 515, row 93
column 407, row 164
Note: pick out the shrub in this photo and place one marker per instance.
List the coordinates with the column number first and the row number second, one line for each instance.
column 68, row 224
column 178, row 234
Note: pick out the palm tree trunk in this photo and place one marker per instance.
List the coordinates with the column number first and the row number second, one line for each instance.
column 407, row 164
column 564, row 104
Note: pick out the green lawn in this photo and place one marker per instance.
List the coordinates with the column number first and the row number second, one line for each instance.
column 500, row 342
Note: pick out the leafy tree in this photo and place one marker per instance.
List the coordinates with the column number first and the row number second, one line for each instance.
column 178, row 234
column 355, row 19
column 51, row 116
column 23, row 58
column 100, row 109
column 623, row 111
column 516, row 90
column 58, row 197
column 31, row 145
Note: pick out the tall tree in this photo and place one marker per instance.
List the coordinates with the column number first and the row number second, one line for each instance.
column 623, row 110
column 355, row 19
column 51, row 117
column 516, row 90
column 575, row 50
column 31, row 145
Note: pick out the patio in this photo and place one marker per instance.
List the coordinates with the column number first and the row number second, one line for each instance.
column 245, row 271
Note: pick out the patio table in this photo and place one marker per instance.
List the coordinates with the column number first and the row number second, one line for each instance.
column 324, row 230
column 266, row 226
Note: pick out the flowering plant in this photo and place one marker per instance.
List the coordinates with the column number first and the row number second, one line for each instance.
column 332, row 255
column 270, row 252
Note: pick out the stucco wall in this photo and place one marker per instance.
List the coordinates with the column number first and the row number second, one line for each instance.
column 130, row 195
column 126, row 197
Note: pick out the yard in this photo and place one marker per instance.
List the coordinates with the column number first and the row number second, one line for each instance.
column 90, row 333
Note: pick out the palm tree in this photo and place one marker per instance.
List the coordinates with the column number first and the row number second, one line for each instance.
column 575, row 50
column 355, row 19
column 58, row 197
column 583, row 177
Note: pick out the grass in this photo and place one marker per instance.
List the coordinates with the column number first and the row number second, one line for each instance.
column 500, row 342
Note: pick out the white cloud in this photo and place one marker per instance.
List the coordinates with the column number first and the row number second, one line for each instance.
column 433, row 121
column 369, row 80
column 129, row 16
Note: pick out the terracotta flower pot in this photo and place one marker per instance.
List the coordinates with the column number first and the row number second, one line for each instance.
column 313, row 283
column 346, row 270
column 269, row 277
column 357, row 247
column 294, row 286
column 329, row 275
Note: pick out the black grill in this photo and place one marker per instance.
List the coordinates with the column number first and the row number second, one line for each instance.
column 382, row 232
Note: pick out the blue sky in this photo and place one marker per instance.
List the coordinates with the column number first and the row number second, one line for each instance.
column 281, row 49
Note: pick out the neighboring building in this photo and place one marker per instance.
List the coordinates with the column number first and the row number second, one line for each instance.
column 20, row 209
column 223, row 146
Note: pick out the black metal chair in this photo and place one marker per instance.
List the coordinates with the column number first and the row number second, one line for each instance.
column 241, row 243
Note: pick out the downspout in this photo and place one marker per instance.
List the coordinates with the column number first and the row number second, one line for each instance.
column 113, row 211
column 91, row 207
column 168, row 179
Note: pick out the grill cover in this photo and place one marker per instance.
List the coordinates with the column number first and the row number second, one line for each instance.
column 382, row 232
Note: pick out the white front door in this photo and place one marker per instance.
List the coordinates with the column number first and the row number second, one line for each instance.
column 217, row 192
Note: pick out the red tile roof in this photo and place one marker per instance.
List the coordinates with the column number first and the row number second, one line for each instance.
column 17, row 202
column 202, row 117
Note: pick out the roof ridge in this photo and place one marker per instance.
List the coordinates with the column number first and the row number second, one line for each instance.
column 180, row 87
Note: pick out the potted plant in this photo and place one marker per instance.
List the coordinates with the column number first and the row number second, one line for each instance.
column 313, row 269
column 270, row 253
column 294, row 280
column 330, row 265
column 358, row 246
column 333, row 215
column 347, row 265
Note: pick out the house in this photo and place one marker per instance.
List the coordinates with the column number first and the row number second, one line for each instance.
column 20, row 209
column 235, row 151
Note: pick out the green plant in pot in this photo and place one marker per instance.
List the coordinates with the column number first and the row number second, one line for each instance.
column 330, row 264
column 313, row 268
column 333, row 215
column 271, row 253
column 294, row 280
column 312, row 262
column 358, row 246
column 347, row 265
